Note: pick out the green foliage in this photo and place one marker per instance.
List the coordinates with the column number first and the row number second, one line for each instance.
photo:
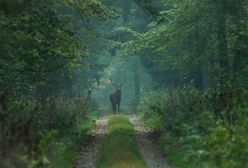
column 191, row 37
column 35, row 46
column 190, row 135
column 150, row 105
column 50, row 132
column 62, row 153
column 88, row 7
column 41, row 57
column 42, row 146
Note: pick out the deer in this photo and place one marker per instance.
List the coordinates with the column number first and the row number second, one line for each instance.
column 83, row 100
column 115, row 98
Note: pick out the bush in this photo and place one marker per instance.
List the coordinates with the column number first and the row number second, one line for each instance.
column 42, row 135
column 191, row 135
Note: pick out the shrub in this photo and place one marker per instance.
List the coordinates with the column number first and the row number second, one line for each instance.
column 42, row 134
column 191, row 135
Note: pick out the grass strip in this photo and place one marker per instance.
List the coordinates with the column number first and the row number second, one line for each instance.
column 119, row 149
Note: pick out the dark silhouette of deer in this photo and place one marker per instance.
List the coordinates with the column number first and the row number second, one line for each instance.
column 83, row 101
column 115, row 97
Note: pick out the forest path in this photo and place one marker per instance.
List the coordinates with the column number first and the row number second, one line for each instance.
column 148, row 145
column 86, row 157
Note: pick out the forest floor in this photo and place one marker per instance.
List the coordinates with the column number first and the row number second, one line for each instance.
column 147, row 142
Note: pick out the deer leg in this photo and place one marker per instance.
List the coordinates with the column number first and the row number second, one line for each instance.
column 114, row 108
column 119, row 106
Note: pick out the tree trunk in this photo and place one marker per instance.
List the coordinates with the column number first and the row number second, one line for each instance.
column 240, row 48
column 224, row 98
column 223, row 53
column 136, row 83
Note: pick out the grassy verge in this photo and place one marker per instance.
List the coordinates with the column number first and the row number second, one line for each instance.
column 62, row 152
column 119, row 148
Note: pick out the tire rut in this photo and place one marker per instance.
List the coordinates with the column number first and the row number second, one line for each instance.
column 86, row 157
column 149, row 146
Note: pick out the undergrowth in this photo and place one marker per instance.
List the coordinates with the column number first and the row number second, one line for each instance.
column 43, row 136
column 191, row 134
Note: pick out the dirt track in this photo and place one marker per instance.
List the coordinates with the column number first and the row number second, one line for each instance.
column 148, row 145
column 86, row 157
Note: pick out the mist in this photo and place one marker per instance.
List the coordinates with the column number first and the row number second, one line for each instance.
column 82, row 78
